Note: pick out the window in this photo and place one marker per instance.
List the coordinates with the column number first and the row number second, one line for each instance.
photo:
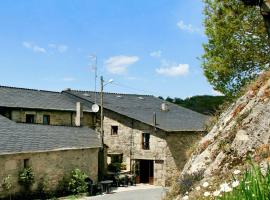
column 30, row 119
column 46, row 119
column 146, row 141
column 114, row 130
column 116, row 158
column 26, row 163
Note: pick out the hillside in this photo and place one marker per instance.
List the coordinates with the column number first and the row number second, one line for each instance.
column 204, row 104
column 240, row 135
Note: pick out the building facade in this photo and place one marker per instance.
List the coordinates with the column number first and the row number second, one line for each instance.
column 48, row 132
column 148, row 136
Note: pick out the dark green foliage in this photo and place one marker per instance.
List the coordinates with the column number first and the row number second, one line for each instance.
column 202, row 104
column 73, row 183
column 114, row 167
column 77, row 182
column 26, row 177
column 237, row 49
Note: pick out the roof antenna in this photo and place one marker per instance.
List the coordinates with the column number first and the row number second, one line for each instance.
column 94, row 66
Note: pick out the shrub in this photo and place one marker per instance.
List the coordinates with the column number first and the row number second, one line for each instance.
column 77, row 182
column 7, row 183
column 114, row 167
column 26, row 178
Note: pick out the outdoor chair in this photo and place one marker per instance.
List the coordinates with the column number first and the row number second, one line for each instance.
column 90, row 185
column 123, row 180
column 132, row 179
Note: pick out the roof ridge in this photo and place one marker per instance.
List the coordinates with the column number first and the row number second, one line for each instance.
column 116, row 93
column 29, row 89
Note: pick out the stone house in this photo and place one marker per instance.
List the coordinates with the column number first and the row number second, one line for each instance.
column 148, row 135
column 43, row 107
column 47, row 131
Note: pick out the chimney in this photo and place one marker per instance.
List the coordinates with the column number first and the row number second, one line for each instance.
column 164, row 107
column 79, row 114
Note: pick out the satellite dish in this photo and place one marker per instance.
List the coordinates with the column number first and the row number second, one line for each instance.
column 95, row 108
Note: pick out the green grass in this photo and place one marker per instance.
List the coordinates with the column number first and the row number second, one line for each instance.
column 254, row 186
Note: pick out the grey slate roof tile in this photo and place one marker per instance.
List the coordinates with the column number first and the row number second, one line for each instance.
column 20, row 138
column 142, row 107
column 37, row 99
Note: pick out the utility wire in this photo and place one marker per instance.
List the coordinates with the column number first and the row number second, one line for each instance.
column 135, row 89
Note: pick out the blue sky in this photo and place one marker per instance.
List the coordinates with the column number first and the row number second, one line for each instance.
column 146, row 47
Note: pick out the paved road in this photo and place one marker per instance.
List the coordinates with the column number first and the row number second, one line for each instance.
column 141, row 194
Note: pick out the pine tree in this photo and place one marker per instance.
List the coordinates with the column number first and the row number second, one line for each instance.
column 237, row 49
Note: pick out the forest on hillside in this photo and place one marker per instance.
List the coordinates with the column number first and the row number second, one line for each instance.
column 204, row 104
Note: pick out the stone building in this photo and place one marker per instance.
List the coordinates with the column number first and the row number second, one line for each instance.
column 48, row 132
column 150, row 136
column 44, row 107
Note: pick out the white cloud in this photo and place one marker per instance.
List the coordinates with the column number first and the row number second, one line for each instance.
column 27, row 45
column 156, row 54
column 188, row 27
column 68, row 79
column 120, row 64
column 34, row 47
column 174, row 70
column 59, row 47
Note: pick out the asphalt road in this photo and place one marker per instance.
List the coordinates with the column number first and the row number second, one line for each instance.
column 142, row 194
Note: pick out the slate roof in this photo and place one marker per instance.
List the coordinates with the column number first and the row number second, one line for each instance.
column 142, row 107
column 24, row 138
column 37, row 99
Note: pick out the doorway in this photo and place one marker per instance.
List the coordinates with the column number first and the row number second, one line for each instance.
column 146, row 171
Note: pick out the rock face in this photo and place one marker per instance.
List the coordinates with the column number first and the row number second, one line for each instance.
column 243, row 130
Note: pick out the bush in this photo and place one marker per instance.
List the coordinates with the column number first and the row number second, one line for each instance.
column 77, row 182
column 114, row 167
column 7, row 183
column 26, row 178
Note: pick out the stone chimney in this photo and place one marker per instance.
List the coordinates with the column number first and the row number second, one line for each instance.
column 79, row 114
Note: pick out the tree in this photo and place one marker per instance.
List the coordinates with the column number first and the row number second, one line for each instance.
column 203, row 104
column 237, row 49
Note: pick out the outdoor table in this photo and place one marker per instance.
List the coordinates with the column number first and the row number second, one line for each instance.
column 106, row 186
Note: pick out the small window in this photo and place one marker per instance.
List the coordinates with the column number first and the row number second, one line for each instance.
column 146, row 141
column 114, row 130
column 30, row 119
column 117, row 158
column 26, row 163
column 46, row 119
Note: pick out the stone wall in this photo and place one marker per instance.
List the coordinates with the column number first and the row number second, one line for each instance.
column 167, row 150
column 64, row 118
column 50, row 166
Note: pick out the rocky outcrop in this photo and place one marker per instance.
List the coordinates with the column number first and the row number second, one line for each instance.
column 242, row 132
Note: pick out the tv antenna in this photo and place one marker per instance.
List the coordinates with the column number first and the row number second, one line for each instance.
column 94, row 67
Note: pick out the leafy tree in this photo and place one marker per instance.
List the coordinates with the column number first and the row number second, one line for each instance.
column 237, row 49
column 204, row 104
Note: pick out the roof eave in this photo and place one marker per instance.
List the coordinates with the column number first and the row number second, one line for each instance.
column 47, row 151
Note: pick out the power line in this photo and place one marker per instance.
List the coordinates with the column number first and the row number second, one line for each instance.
column 134, row 89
